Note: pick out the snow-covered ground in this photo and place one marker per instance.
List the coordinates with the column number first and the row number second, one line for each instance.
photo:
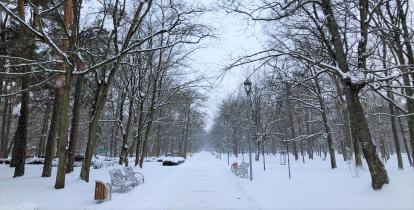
column 205, row 182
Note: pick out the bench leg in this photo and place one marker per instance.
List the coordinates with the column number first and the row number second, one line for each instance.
column 110, row 191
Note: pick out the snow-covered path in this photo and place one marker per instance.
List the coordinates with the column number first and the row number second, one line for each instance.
column 202, row 182
column 205, row 182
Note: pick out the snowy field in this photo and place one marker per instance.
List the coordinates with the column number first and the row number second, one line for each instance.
column 205, row 182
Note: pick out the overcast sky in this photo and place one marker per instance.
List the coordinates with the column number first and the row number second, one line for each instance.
column 235, row 37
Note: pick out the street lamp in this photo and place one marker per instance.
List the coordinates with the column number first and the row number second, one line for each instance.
column 248, row 89
column 227, row 117
column 247, row 86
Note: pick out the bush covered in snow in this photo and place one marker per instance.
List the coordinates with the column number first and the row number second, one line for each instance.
column 41, row 161
column 172, row 161
column 103, row 162
column 154, row 159
column 5, row 161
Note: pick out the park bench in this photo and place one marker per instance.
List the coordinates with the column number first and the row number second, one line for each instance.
column 122, row 181
column 130, row 176
column 242, row 170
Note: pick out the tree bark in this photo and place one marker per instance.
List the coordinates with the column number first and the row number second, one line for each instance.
column 390, row 95
column 50, row 145
column 310, row 141
column 158, row 135
column 359, row 126
column 98, row 107
column 124, row 150
column 5, row 119
column 149, row 123
column 325, row 124
column 406, row 147
column 21, row 131
column 65, row 103
column 399, row 51
column 9, row 121
column 41, row 149
column 140, row 129
column 77, row 106
column 292, row 129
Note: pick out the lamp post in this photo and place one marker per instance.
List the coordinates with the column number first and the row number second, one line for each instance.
column 248, row 89
column 227, row 138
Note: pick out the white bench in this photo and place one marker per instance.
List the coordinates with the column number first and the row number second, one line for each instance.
column 133, row 176
column 242, row 170
column 122, row 181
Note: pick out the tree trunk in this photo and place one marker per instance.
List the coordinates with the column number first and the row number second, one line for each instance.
column 115, row 129
column 310, row 141
column 325, row 124
column 50, row 145
column 65, row 102
column 329, row 140
column 148, row 129
column 5, row 119
column 99, row 105
column 150, row 115
column 77, row 106
column 21, row 131
column 41, row 149
column 7, row 149
column 292, row 129
column 390, row 95
column 124, row 151
column 359, row 126
column 346, row 127
column 406, row 147
column 401, row 55
column 140, row 129
column 158, row 135
column 120, row 124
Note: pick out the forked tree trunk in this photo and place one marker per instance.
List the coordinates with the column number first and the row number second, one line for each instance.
column 359, row 127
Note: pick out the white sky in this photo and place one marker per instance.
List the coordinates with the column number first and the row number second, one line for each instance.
column 235, row 37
